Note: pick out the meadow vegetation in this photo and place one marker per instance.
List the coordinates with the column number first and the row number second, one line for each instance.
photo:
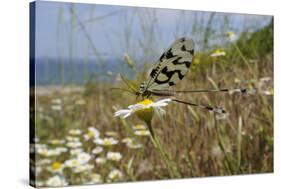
column 79, row 141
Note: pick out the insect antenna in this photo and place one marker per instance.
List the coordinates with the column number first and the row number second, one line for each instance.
column 121, row 89
column 217, row 110
column 133, row 90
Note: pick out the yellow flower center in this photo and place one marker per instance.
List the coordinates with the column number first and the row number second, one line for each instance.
column 218, row 51
column 196, row 61
column 145, row 102
column 56, row 166
column 139, row 127
column 90, row 134
column 74, row 162
column 143, row 132
column 146, row 113
column 230, row 34
column 107, row 142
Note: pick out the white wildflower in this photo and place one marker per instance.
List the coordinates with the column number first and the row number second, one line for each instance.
column 146, row 104
column 83, row 158
column 74, row 144
column 218, row 52
column 75, row 131
column 97, row 150
column 76, row 151
column 106, row 141
column 142, row 132
column 83, row 168
column 56, row 181
column 92, row 133
column 100, row 160
column 114, row 156
column 115, row 175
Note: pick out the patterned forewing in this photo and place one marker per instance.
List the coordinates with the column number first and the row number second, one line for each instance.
column 172, row 65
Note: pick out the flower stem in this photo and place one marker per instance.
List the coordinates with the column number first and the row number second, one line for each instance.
column 172, row 171
column 244, row 59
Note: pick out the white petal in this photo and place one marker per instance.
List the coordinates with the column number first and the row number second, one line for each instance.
column 163, row 102
column 122, row 112
column 127, row 115
column 160, row 112
column 136, row 106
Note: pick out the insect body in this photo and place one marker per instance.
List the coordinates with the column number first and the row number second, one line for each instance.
column 169, row 69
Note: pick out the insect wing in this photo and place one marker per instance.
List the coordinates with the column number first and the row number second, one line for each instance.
column 172, row 65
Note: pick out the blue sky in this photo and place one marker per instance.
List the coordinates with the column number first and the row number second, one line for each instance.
column 110, row 31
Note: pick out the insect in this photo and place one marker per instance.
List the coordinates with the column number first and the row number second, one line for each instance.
column 170, row 69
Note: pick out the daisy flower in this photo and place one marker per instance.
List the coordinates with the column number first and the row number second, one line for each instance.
column 97, row 150
column 106, row 141
column 75, row 132
column 56, row 181
column 61, row 149
column 74, row 144
column 114, row 156
column 83, row 158
column 71, row 163
column 56, row 141
column 218, row 52
column 131, row 143
column 56, row 167
column 139, row 127
column 115, row 174
column 76, row 151
column 83, row 168
column 100, row 160
column 92, row 133
column 231, row 36
column 142, row 132
column 49, row 152
column 95, row 178
column 143, row 109
column 134, row 145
